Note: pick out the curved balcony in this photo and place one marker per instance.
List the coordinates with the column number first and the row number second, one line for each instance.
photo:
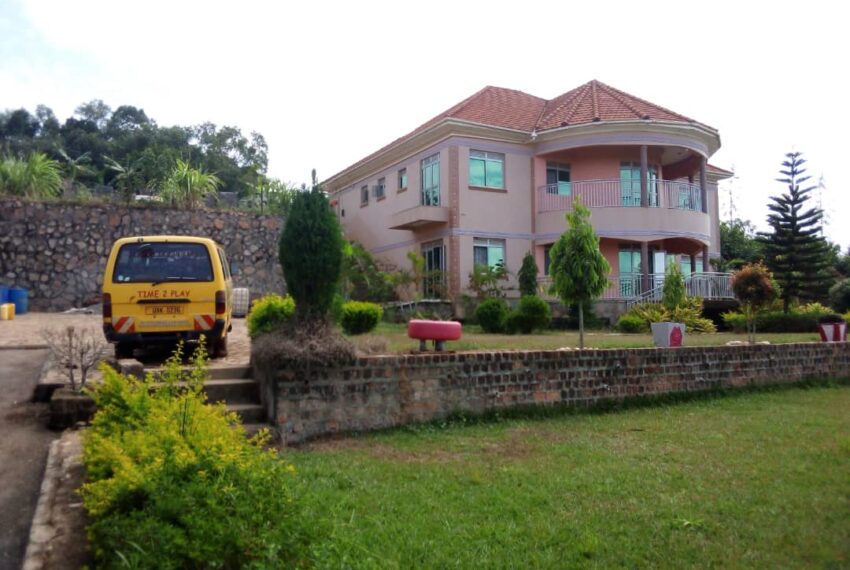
column 673, row 194
column 669, row 208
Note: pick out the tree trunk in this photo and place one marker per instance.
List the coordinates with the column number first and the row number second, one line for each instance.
column 580, row 325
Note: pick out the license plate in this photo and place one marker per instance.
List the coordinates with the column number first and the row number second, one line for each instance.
column 164, row 310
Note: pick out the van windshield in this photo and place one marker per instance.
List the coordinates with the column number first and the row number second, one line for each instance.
column 160, row 262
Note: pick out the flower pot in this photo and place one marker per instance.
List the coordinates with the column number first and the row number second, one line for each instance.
column 668, row 335
column 833, row 332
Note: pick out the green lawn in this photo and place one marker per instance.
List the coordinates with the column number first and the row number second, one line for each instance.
column 394, row 338
column 759, row 480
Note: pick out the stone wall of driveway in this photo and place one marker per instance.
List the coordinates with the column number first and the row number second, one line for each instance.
column 58, row 250
column 378, row 392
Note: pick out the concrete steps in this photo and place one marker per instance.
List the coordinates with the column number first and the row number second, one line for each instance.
column 234, row 386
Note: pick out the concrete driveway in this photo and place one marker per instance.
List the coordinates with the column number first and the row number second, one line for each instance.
column 24, row 442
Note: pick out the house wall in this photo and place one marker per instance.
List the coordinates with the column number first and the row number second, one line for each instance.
column 385, row 391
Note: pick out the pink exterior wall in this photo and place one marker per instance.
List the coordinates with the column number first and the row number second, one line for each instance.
column 510, row 213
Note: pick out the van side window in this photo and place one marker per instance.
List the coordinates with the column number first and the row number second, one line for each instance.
column 225, row 267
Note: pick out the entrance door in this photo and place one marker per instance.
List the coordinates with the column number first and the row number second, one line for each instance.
column 659, row 267
column 630, row 184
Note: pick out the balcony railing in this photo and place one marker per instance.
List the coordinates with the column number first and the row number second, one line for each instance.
column 634, row 288
column 619, row 194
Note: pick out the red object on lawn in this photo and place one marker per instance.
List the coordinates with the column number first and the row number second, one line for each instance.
column 437, row 331
column 833, row 332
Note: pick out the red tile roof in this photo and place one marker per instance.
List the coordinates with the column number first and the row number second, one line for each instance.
column 508, row 108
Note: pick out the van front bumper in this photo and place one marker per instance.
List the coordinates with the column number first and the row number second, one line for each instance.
column 215, row 333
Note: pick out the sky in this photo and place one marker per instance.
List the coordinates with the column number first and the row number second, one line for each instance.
column 327, row 83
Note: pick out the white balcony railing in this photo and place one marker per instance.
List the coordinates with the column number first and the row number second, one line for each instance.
column 616, row 193
column 639, row 288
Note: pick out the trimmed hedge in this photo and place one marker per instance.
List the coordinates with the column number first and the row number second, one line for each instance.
column 358, row 317
column 268, row 314
column 531, row 313
column 800, row 320
column 491, row 315
column 172, row 481
column 629, row 323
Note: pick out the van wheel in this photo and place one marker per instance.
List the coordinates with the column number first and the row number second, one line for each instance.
column 124, row 350
column 219, row 348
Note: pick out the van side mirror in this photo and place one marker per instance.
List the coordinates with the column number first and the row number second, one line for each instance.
column 234, row 269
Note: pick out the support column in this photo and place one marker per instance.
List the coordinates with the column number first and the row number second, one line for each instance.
column 694, row 264
column 644, row 170
column 644, row 267
column 702, row 184
column 705, row 263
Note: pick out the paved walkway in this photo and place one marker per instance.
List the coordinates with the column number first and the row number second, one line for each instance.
column 26, row 330
column 24, row 441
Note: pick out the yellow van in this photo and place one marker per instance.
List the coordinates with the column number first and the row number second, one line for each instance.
column 159, row 289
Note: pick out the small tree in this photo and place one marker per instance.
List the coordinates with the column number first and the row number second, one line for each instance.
column 673, row 292
column 310, row 252
column 755, row 288
column 76, row 351
column 528, row 275
column 579, row 270
column 839, row 296
column 795, row 251
column 186, row 187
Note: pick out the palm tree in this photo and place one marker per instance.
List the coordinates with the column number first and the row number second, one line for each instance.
column 124, row 175
column 36, row 177
column 76, row 166
column 187, row 187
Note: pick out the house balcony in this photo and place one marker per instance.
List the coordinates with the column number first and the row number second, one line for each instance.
column 670, row 194
column 620, row 210
column 419, row 217
column 634, row 288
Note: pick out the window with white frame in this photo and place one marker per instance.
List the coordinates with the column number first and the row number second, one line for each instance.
column 380, row 189
column 431, row 180
column 489, row 252
column 364, row 195
column 486, row 169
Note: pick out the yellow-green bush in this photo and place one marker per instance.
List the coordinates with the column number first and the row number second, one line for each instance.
column 798, row 320
column 174, row 483
column 268, row 314
column 689, row 313
column 358, row 317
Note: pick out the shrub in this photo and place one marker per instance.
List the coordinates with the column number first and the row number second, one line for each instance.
column 794, row 321
column 527, row 275
column 268, row 314
column 360, row 317
column 310, row 252
column 673, row 290
column 689, row 313
column 839, row 296
column 631, row 323
column 531, row 313
column 491, row 315
column 174, row 483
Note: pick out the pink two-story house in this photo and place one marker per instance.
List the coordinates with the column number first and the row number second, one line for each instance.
column 492, row 177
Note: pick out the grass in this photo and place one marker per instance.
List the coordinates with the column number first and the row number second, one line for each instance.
column 756, row 480
column 394, row 336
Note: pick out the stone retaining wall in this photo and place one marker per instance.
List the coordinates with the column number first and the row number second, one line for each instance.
column 58, row 250
column 385, row 391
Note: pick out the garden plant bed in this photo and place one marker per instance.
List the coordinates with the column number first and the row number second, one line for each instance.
column 753, row 480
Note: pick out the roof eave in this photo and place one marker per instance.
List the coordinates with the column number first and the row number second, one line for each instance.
column 419, row 141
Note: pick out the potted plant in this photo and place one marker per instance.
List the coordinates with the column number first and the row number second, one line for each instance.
column 832, row 328
column 668, row 333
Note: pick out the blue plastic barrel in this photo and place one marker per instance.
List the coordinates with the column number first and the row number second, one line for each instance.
column 19, row 297
column 4, row 294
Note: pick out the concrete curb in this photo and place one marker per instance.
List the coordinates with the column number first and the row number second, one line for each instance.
column 47, row 524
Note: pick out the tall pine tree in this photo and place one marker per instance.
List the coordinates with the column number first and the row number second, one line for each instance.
column 795, row 250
